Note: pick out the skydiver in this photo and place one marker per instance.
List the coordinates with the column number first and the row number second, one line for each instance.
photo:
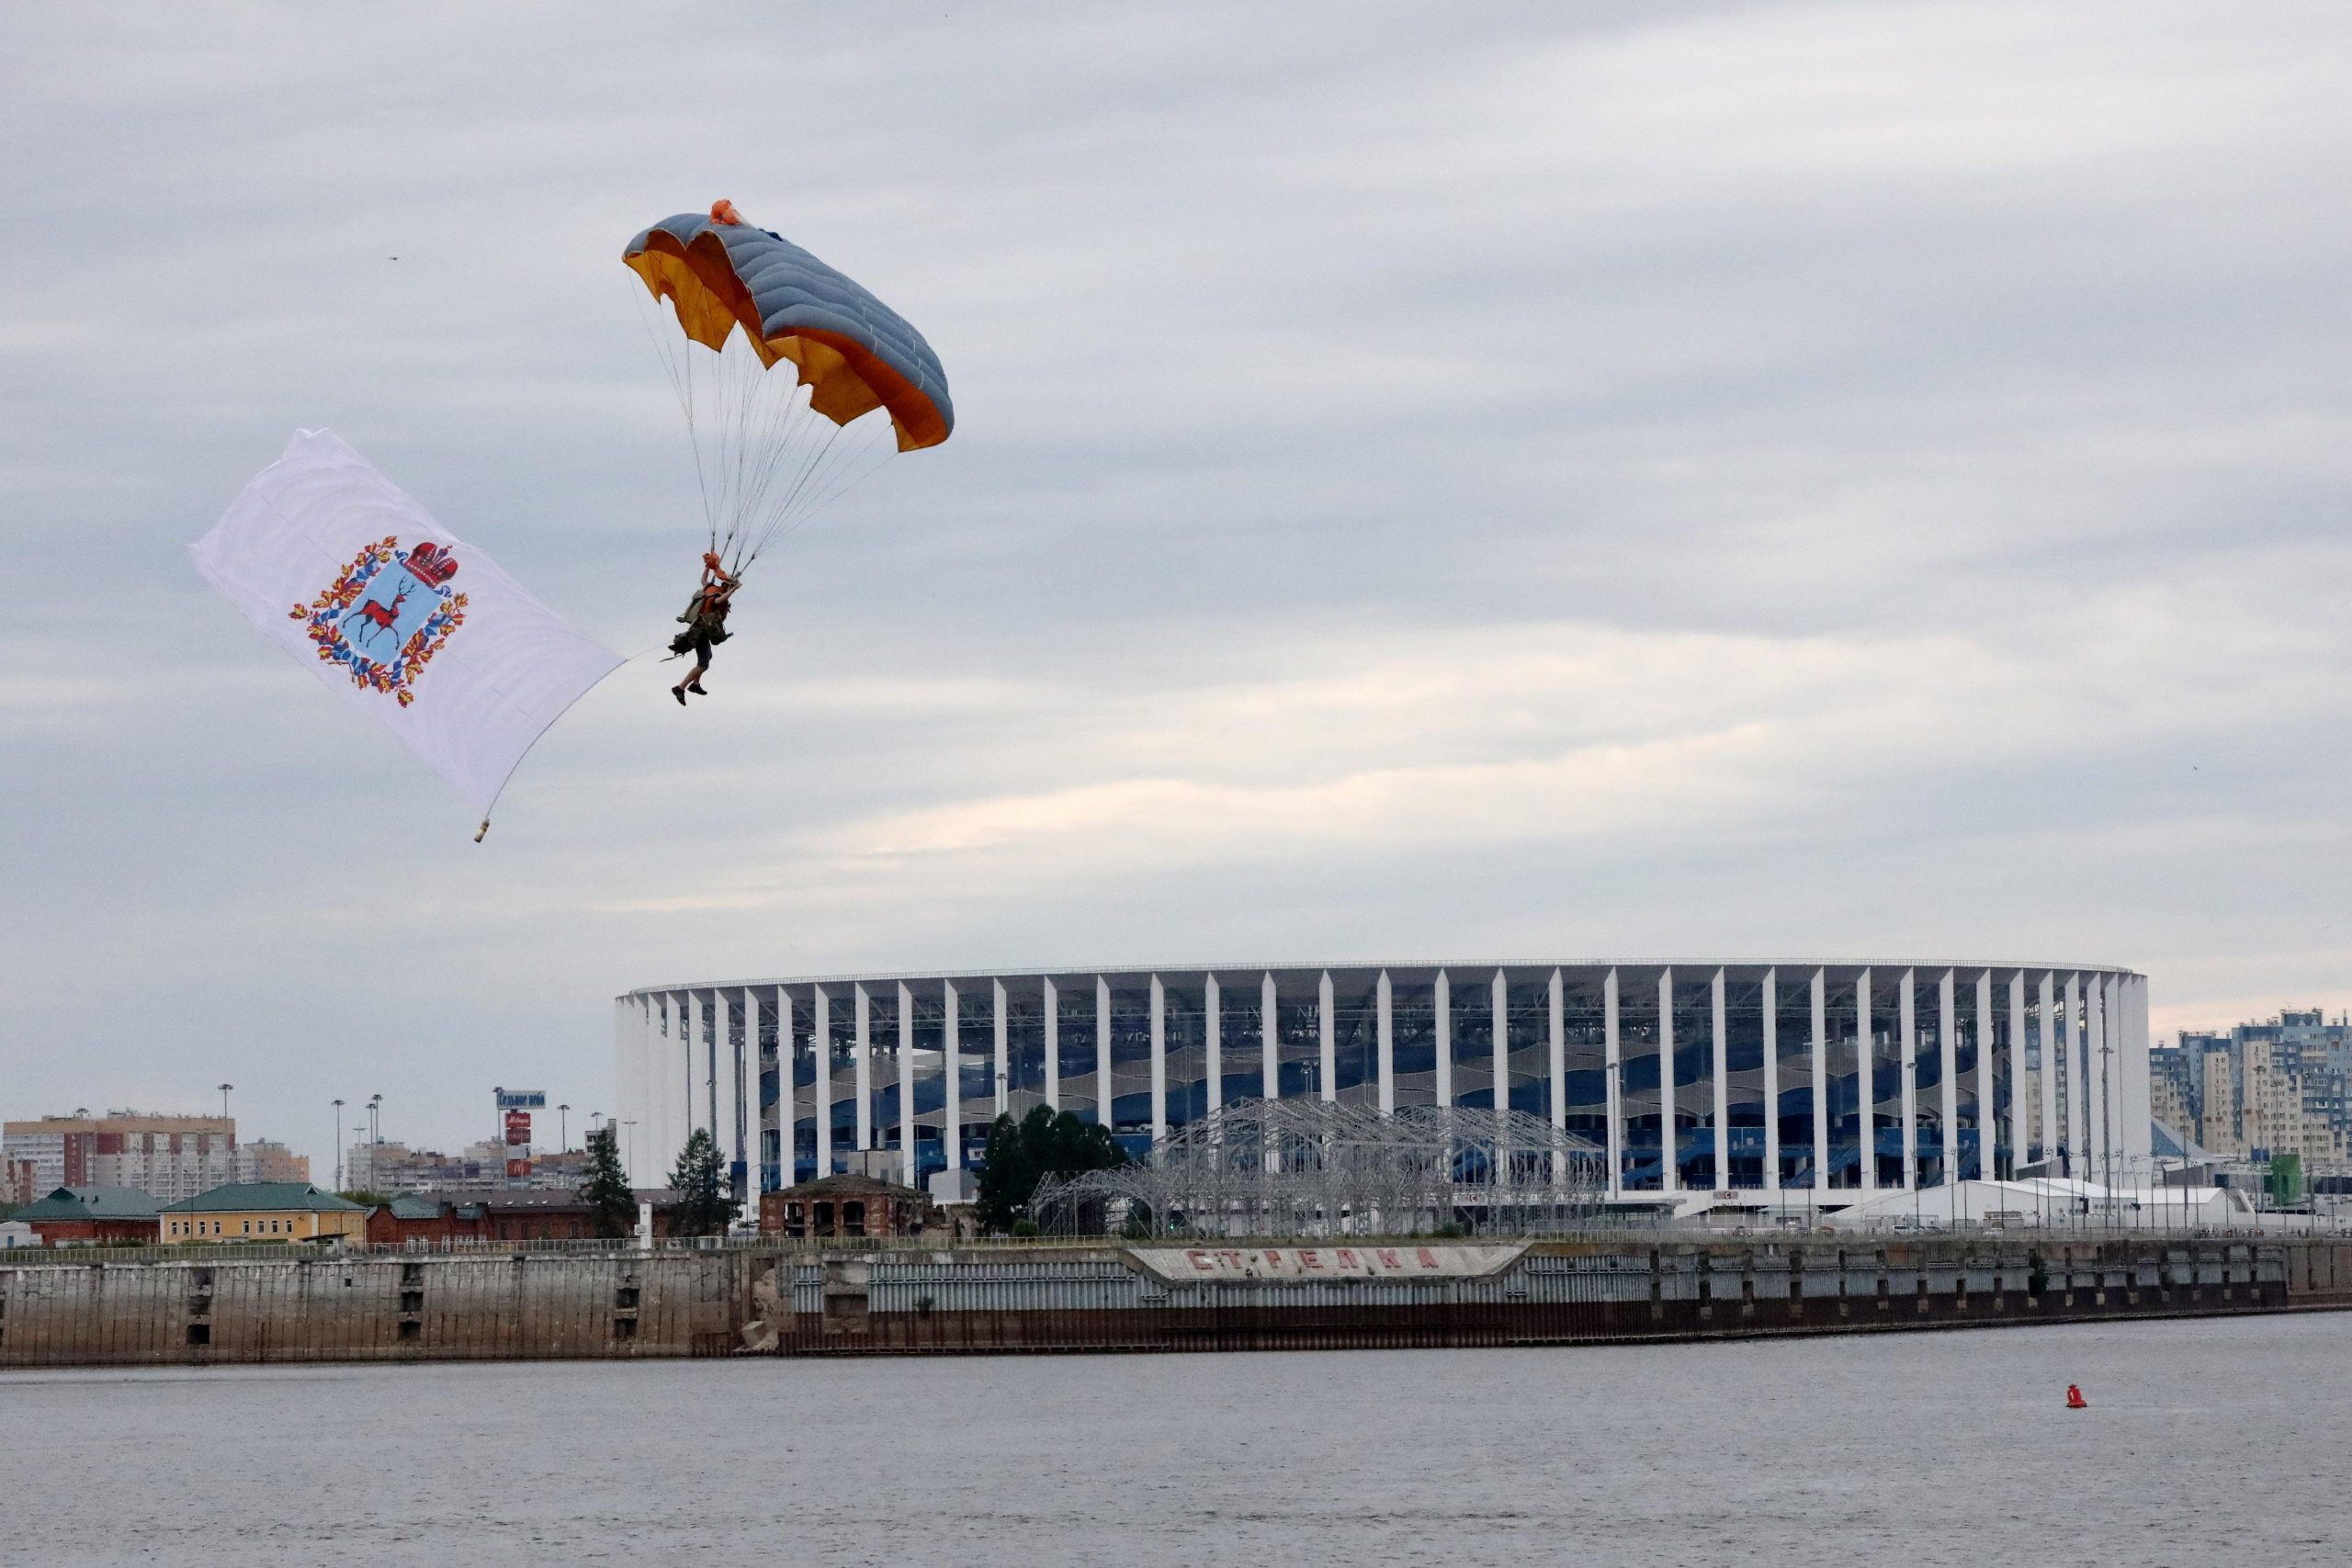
column 705, row 620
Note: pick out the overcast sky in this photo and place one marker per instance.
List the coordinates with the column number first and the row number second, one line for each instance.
column 1483, row 482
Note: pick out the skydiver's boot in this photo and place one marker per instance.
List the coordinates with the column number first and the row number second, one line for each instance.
column 695, row 687
column 679, row 691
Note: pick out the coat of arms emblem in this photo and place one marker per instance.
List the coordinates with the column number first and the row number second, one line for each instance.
column 387, row 615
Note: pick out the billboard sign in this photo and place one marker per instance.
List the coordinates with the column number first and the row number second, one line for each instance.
column 1408, row 1262
column 522, row 1099
column 518, row 1129
column 518, row 1169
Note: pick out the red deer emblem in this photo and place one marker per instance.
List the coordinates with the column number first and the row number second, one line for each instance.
column 380, row 618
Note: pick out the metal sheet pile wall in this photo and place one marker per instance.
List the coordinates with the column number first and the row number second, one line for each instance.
column 498, row 1307
column 796, row 1302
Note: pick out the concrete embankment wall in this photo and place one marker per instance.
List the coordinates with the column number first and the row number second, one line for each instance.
column 800, row 1301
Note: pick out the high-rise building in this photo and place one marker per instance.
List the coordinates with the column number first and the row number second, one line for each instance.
column 2217, row 1116
column 2171, row 1094
column 396, row 1167
column 2267, row 1089
column 169, row 1157
column 263, row 1160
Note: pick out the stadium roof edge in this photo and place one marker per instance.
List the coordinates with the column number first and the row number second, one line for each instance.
column 1258, row 966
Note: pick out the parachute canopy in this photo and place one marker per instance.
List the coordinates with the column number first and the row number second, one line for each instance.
column 854, row 353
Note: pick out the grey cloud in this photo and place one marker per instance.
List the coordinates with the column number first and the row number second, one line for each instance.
column 1759, row 476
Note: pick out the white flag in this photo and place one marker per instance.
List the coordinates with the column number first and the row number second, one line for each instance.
column 421, row 632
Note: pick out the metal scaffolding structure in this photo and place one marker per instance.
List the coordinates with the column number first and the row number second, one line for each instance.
column 1313, row 1168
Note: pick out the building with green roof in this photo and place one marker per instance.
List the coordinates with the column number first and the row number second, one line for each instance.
column 71, row 1216
column 265, row 1210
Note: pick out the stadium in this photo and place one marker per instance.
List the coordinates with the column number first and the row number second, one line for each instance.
column 1810, row 1086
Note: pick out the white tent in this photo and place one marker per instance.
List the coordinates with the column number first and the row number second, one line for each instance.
column 2046, row 1202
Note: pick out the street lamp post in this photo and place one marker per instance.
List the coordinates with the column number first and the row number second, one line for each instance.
column 224, row 1100
column 375, row 1134
column 338, row 1145
column 563, row 1127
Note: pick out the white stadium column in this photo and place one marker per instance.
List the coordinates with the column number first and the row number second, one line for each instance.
column 907, row 1085
column 636, row 1140
column 1158, row 1061
column 1213, row 1039
column 685, row 1047
column 671, row 1098
column 1328, row 1060
column 1001, row 1066
column 1771, row 1080
column 727, row 1074
column 1105, row 1103
column 1820, row 988
column 1668, row 1145
column 1498, row 1032
column 862, row 1068
column 1948, row 1076
column 1269, row 1033
column 1053, row 1005
column 625, row 1077
column 652, row 1128
column 1988, row 1129
column 1908, row 1007
column 2100, row 1053
column 2119, row 1028
column 1559, row 1055
column 820, row 1048
column 2020, row 1150
column 645, row 1168
column 1866, row 1083
column 1613, row 1087
column 951, row 1044
column 694, row 1107
column 1723, row 1084
column 1384, row 1046
column 684, row 1080
column 706, row 1064
column 1441, row 1009
column 2047, row 1038
column 2138, row 1135
column 748, row 1098
column 2079, row 1142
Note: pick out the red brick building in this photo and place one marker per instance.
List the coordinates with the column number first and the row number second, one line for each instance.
column 72, row 1217
column 849, row 1207
column 521, row 1216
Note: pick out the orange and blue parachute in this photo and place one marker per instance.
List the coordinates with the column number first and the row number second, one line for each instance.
column 743, row 299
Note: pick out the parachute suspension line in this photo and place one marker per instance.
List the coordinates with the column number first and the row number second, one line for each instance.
column 761, row 466
column 676, row 351
column 850, row 473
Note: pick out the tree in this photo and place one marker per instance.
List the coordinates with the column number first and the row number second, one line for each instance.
column 612, row 1206
column 1023, row 1153
column 703, row 1208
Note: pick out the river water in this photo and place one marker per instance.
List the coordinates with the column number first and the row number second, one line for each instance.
column 2207, row 1442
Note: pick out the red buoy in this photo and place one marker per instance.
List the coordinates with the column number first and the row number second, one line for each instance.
column 2074, row 1400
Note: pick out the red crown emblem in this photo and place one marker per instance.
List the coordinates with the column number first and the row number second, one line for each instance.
column 432, row 565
